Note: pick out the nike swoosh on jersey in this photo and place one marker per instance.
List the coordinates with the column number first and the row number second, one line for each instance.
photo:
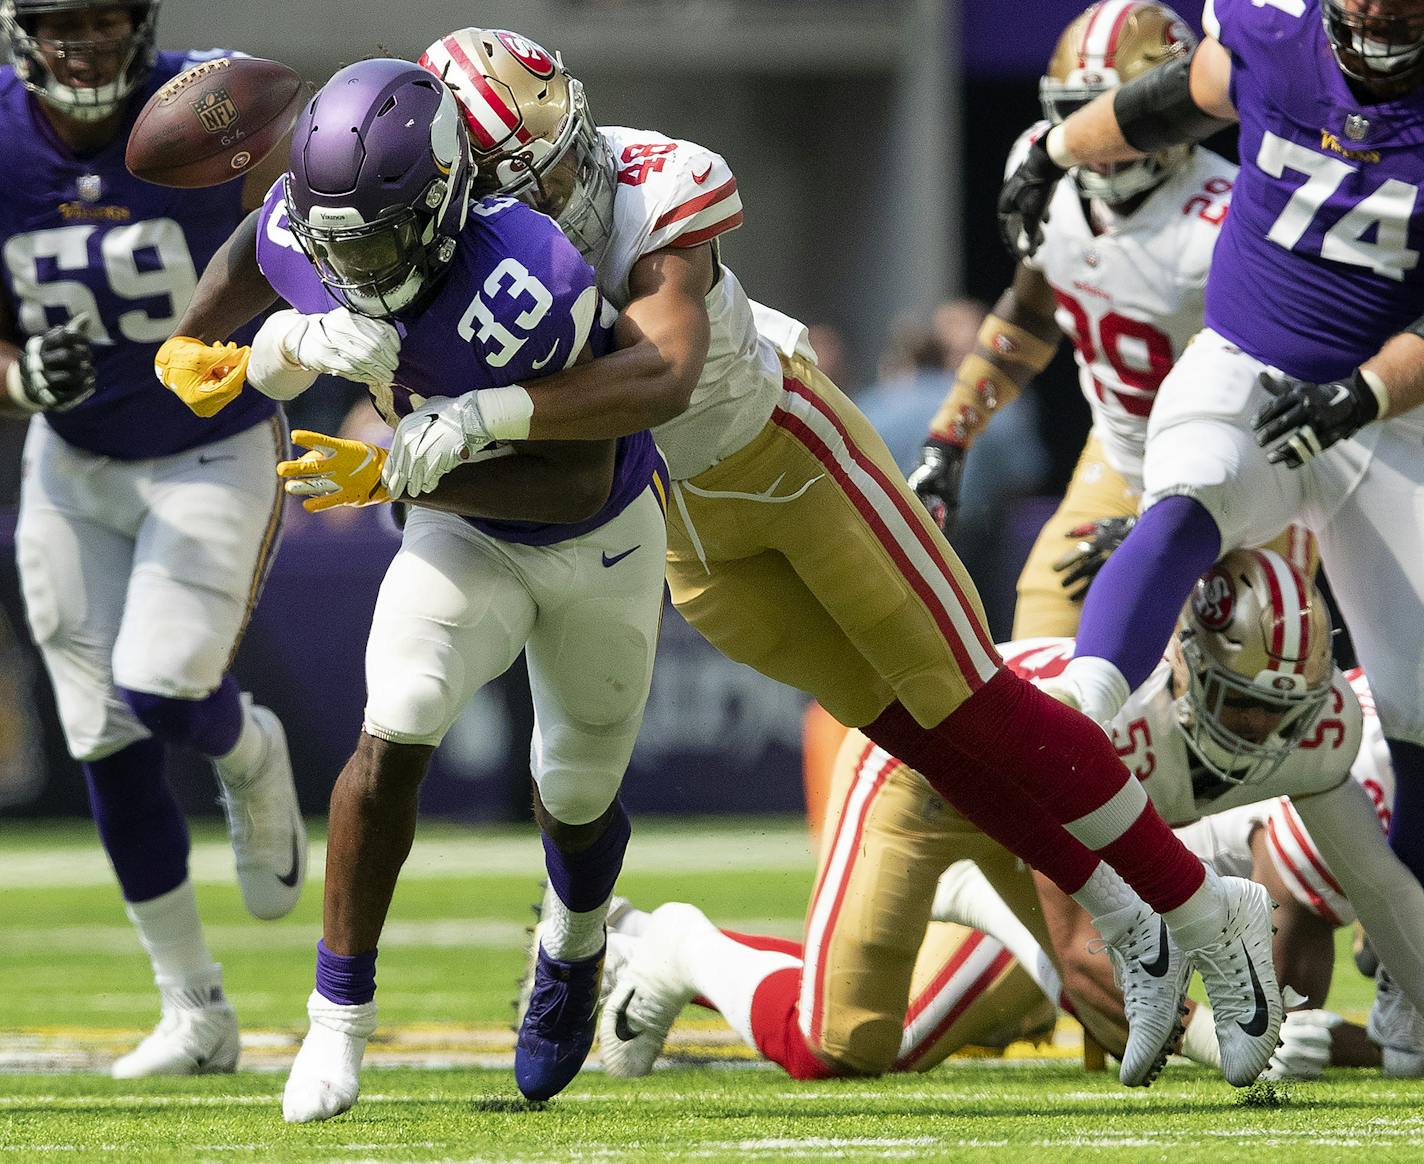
column 537, row 364
column 1261, row 1018
column 702, row 177
column 1158, row 966
column 613, row 561
column 290, row 879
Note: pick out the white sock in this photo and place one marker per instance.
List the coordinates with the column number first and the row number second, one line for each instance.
column 234, row 767
column 171, row 934
column 727, row 974
column 978, row 905
column 1198, row 921
column 570, row 936
column 1105, row 892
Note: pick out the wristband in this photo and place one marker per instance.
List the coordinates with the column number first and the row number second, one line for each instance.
column 506, row 412
column 1377, row 386
column 1055, row 144
column 15, row 387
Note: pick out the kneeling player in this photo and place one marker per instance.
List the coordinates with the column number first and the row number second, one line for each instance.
column 1244, row 708
column 561, row 554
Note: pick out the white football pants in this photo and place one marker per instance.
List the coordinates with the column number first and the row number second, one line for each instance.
column 456, row 608
column 142, row 574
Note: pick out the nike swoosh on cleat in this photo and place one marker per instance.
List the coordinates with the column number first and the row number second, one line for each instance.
column 613, row 561
column 1158, row 966
column 1261, row 1019
column 620, row 1024
column 537, row 364
column 290, row 880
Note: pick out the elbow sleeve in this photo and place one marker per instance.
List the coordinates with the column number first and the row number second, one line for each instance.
column 1155, row 111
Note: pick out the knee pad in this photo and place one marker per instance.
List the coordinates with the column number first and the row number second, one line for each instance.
column 869, row 1049
column 576, row 796
column 210, row 725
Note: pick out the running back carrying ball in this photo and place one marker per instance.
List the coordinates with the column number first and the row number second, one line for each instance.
column 214, row 122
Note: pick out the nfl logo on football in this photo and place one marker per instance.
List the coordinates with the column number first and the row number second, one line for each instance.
column 215, row 110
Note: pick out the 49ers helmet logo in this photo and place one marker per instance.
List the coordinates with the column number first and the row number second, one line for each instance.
column 528, row 54
column 1213, row 603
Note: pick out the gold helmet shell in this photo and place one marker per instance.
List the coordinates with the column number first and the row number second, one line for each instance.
column 1109, row 44
column 1252, row 663
column 531, row 134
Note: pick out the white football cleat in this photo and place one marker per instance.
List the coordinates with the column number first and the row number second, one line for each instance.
column 649, row 992
column 1153, row 974
column 326, row 1074
column 265, row 826
column 196, row 1035
column 1396, row 1028
column 1240, row 981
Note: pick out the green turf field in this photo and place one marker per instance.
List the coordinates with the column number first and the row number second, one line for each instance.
column 75, row 991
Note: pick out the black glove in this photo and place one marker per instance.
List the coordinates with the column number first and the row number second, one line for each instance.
column 56, row 370
column 936, row 481
column 1304, row 418
column 1023, row 201
column 1096, row 542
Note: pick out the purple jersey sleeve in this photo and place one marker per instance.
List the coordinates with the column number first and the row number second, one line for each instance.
column 1319, row 259
column 81, row 235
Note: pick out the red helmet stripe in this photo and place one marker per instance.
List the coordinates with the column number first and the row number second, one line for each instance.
column 1116, row 33
column 1101, row 34
column 1278, row 622
column 490, row 118
column 1290, row 635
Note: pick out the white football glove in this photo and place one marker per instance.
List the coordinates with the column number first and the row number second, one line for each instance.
column 291, row 349
column 1304, row 1052
column 431, row 441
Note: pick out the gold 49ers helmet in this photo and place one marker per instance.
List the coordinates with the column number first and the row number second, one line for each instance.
column 531, row 133
column 1251, row 662
column 1108, row 45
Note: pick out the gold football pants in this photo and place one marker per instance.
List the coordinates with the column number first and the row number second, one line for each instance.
column 805, row 556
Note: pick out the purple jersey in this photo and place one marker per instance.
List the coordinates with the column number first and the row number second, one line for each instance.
column 1318, row 263
column 83, row 235
column 517, row 303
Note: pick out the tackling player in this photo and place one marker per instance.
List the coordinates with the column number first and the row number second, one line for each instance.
column 144, row 533
column 1120, row 272
column 552, row 548
column 795, row 547
column 1313, row 324
column 1246, row 707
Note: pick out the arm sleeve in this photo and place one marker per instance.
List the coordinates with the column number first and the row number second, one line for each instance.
column 1387, row 897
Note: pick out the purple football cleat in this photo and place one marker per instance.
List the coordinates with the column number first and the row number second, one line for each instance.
column 557, row 1031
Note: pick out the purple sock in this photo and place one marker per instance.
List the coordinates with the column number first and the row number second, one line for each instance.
column 584, row 880
column 346, row 980
column 210, row 725
column 1406, row 826
column 1134, row 601
column 139, row 820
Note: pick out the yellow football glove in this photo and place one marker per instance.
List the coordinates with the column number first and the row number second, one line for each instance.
column 205, row 377
column 335, row 472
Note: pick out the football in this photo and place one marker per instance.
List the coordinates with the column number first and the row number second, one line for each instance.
column 214, row 122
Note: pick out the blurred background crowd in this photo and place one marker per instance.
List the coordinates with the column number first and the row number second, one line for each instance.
column 868, row 138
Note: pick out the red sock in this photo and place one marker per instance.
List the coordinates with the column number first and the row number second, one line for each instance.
column 774, row 1026
column 765, row 942
column 1009, row 747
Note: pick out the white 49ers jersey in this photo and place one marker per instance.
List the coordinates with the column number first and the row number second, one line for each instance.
column 674, row 193
column 1130, row 292
column 1146, row 736
column 1225, row 838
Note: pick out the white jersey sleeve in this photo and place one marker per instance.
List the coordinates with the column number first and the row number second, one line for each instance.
column 1297, row 860
column 673, row 193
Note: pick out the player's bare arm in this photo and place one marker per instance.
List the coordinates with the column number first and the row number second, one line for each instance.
column 545, row 481
column 1015, row 343
column 232, row 288
column 662, row 336
column 1087, row 978
column 1182, row 102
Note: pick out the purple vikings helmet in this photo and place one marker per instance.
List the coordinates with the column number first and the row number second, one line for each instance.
column 379, row 184
column 86, row 80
